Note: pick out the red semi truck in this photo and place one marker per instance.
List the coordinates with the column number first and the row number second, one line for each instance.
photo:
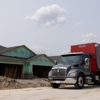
column 80, row 66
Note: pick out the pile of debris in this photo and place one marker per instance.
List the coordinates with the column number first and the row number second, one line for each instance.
column 9, row 83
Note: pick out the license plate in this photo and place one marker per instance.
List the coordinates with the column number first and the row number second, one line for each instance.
column 57, row 81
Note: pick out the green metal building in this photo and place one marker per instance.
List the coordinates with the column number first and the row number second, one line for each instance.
column 21, row 62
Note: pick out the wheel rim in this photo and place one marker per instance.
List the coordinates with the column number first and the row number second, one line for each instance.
column 80, row 81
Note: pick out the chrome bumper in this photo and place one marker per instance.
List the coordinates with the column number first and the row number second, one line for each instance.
column 67, row 81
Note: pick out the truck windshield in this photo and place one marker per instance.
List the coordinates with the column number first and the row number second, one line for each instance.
column 71, row 58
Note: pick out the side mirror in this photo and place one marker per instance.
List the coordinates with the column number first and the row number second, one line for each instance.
column 87, row 61
column 55, row 62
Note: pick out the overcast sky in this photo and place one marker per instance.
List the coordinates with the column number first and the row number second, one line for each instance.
column 49, row 26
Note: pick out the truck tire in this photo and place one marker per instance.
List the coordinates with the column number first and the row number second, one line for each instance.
column 54, row 85
column 80, row 82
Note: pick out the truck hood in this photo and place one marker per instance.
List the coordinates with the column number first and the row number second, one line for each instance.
column 65, row 65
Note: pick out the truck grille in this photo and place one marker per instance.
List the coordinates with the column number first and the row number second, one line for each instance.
column 59, row 72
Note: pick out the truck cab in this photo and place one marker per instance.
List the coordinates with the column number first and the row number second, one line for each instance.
column 77, row 68
column 72, row 65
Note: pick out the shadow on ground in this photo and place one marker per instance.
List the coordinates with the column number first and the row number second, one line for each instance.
column 71, row 87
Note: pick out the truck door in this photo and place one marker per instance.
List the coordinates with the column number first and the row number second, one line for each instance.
column 86, row 64
column 98, row 56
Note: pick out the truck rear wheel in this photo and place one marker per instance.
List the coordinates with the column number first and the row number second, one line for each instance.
column 80, row 82
column 54, row 85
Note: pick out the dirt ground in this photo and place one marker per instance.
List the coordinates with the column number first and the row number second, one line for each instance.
column 8, row 83
column 47, row 93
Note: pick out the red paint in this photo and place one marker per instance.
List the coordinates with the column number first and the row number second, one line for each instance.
column 87, row 48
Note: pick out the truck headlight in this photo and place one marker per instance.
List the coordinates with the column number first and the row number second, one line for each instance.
column 72, row 73
column 50, row 73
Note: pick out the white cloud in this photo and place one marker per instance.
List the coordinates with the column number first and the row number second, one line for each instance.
column 49, row 16
column 89, row 37
column 78, row 24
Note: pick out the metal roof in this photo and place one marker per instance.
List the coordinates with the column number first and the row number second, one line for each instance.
column 2, row 48
column 18, row 59
column 7, row 58
column 39, row 55
column 10, row 58
column 12, row 48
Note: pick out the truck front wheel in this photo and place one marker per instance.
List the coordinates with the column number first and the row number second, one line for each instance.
column 54, row 85
column 80, row 82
